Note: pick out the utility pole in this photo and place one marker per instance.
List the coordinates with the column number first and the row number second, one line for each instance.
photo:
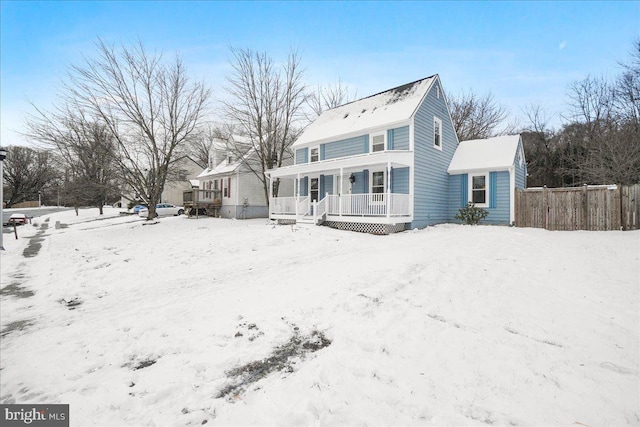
column 3, row 155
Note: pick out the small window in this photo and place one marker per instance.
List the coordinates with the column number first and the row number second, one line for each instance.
column 479, row 190
column 378, row 142
column 438, row 92
column 229, row 159
column 314, row 155
column 377, row 182
column 182, row 174
column 437, row 133
column 225, row 188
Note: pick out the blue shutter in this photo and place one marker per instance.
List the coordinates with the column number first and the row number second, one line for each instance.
column 321, row 151
column 321, row 188
column 304, row 187
column 390, row 139
column 465, row 189
column 365, row 180
column 493, row 194
column 366, row 144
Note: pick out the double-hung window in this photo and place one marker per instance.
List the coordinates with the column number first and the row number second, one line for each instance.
column 377, row 182
column 378, row 141
column 479, row 190
column 314, row 154
column 437, row 133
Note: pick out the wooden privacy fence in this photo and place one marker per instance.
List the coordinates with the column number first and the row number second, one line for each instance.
column 593, row 207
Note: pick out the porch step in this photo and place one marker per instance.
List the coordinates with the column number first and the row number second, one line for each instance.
column 308, row 219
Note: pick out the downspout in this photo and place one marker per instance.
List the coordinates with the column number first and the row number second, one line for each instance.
column 512, row 195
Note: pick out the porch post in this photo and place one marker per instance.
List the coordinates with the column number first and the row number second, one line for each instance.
column 270, row 193
column 297, row 194
column 340, row 193
column 388, row 189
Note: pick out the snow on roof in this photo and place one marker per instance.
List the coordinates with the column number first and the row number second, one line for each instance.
column 375, row 111
column 225, row 167
column 496, row 153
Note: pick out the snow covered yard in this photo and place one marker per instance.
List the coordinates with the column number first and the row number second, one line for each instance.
column 167, row 324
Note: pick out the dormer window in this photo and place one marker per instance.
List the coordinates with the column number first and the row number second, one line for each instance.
column 314, row 154
column 378, row 141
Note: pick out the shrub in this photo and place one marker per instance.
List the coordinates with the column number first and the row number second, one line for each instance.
column 471, row 214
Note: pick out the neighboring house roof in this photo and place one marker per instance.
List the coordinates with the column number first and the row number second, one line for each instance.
column 496, row 153
column 376, row 111
column 224, row 167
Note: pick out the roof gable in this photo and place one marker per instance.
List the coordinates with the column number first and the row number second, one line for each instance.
column 496, row 153
column 375, row 111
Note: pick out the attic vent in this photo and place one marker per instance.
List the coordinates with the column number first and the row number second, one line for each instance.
column 346, row 115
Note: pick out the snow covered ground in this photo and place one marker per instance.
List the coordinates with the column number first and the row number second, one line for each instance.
column 229, row 322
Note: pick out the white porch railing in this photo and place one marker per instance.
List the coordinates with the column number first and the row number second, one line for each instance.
column 283, row 205
column 303, row 206
column 368, row 204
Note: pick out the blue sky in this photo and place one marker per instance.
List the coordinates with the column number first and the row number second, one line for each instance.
column 521, row 52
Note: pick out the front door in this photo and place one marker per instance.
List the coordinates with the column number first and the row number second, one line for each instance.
column 314, row 189
column 342, row 185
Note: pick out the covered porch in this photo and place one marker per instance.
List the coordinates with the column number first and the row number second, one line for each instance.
column 368, row 188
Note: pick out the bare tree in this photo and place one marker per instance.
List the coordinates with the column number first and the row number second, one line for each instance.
column 265, row 101
column 149, row 105
column 476, row 117
column 326, row 98
column 27, row 173
column 607, row 138
column 87, row 150
column 540, row 143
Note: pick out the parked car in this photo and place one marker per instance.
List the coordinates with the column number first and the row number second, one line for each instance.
column 136, row 208
column 163, row 209
column 18, row 219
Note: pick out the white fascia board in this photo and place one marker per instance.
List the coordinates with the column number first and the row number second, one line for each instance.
column 478, row 170
column 403, row 158
column 359, row 132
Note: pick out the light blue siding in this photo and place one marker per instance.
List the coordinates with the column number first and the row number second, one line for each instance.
column 500, row 213
column 326, row 185
column 431, row 180
column 400, row 138
column 344, row 148
column 302, row 155
column 457, row 194
column 499, row 198
column 493, row 196
column 304, row 186
column 400, row 180
column 358, row 187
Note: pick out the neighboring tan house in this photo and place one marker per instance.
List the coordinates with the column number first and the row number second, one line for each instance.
column 385, row 163
column 183, row 170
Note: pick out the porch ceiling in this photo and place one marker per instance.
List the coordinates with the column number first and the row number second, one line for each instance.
column 395, row 158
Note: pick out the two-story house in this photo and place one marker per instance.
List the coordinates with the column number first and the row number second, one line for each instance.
column 380, row 164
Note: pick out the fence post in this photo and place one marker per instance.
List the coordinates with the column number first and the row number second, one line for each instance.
column 587, row 220
column 545, row 208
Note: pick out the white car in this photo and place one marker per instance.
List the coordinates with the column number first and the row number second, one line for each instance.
column 163, row 209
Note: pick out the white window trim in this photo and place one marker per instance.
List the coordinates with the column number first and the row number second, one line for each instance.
column 384, row 136
column 437, row 120
column 486, row 189
column 317, row 147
